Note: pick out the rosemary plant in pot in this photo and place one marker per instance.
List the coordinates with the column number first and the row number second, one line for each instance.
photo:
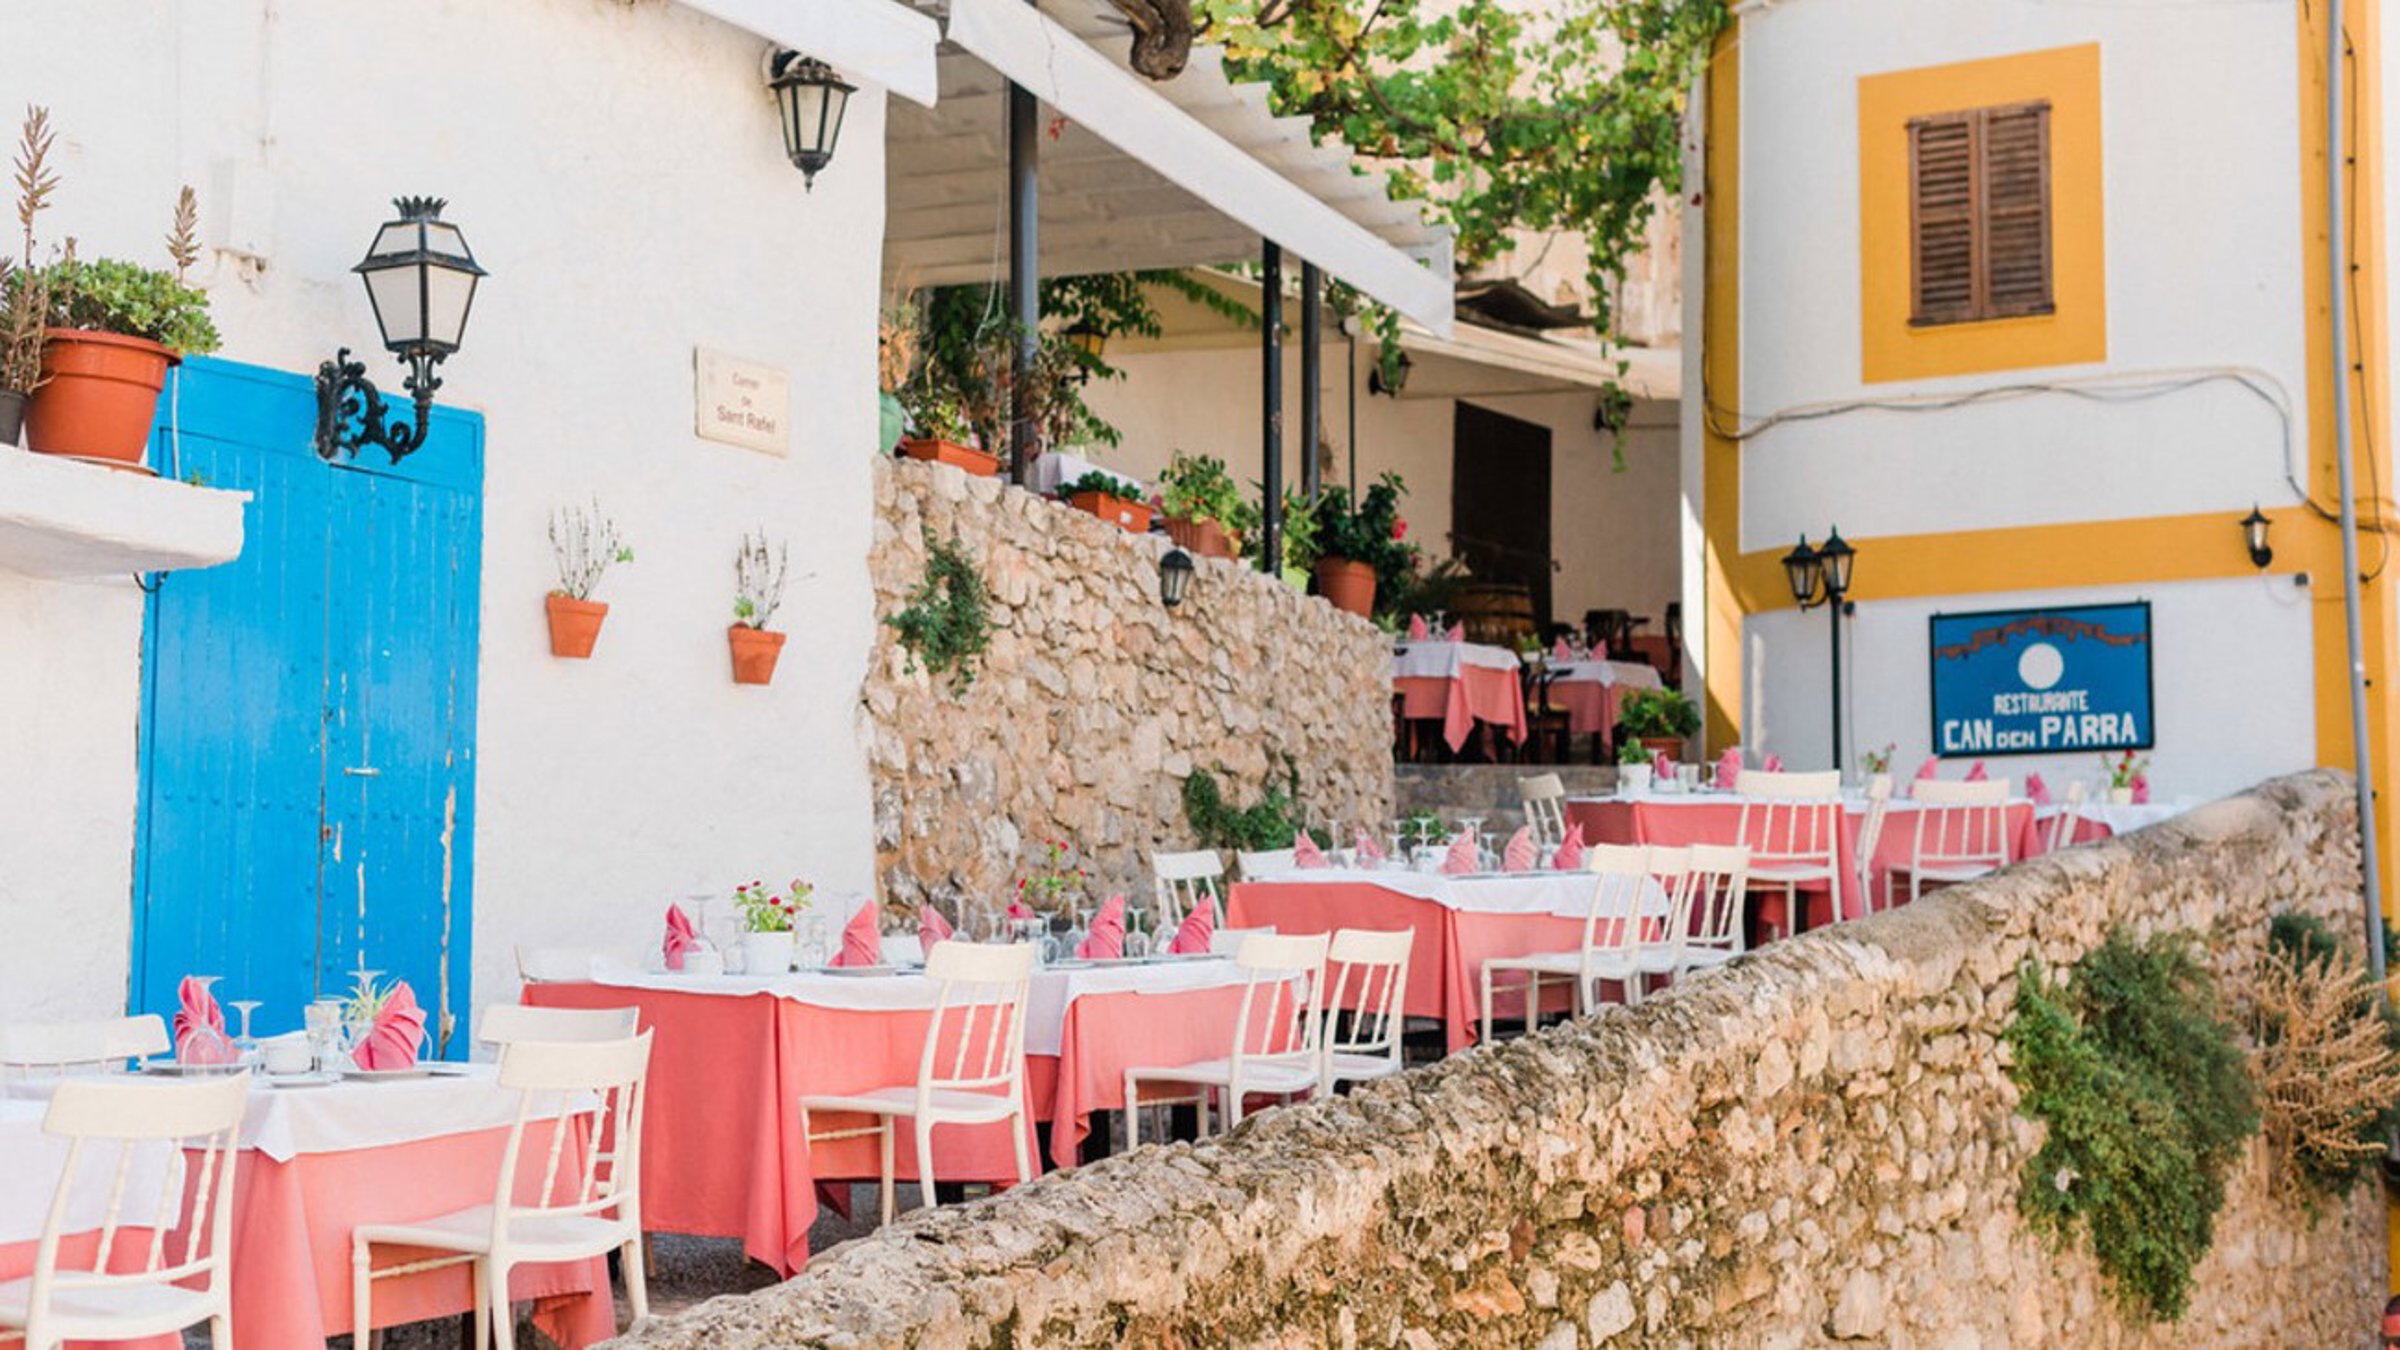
column 758, row 576
column 585, row 545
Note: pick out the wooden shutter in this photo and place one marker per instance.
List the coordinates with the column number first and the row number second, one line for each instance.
column 1979, row 206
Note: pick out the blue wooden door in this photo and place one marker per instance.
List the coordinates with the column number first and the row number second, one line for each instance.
column 308, row 721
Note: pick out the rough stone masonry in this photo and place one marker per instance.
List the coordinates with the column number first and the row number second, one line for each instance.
column 1816, row 1145
column 1095, row 700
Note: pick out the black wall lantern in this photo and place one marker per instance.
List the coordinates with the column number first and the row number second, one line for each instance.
column 2254, row 533
column 1821, row 576
column 1174, row 577
column 810, row 100
column 1087, row 340
column 420, row 278
column 1377, row 384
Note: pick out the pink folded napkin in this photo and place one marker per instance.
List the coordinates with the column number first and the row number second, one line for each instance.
column 1662, row 763
column 1518, row 855
column 1976, row 773
column 1599, row 651
column 1305, row 852
column 681, row 936
column 1199, row 928
column 1366, row 848
column 861, row 944
column 2141, row 787
column 1773, row 763
column 1560, row 651
column 931, row 928
column 1463, row 856
column 200, row 1026
column 399, row 1029
column 2037, row 789
column 1569, row 857
column 1418, row 629
column 1926, row 770
column 1729, row 769
column 1457, row 633
column 1018, row 909
column 1107, row 941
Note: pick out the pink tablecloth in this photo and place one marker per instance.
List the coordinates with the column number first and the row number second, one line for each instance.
column 1476, row 693
column 1451, row 946
column 1591, row 706
column 129, row 1253
column 291, row 1242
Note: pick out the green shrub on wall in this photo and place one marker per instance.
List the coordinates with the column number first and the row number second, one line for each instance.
column 2144, row 1090
column 947, row 622
column 2326, row 1056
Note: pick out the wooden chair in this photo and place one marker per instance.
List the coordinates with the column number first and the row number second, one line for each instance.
column 1275, row 1042
column 1612, row 937
column 1369, row 971
column 1961, row 833
column 97, row 1045
column 1181, row 879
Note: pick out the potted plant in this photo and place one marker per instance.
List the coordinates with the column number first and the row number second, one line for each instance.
column 897, row 335
column 114, row 329
column 1659, row 719
column 1633, row 768
column 1205, row 510
column 945, row 435
column 758, row 577
column 2126, row 773
column 25, row 298
column 768, row 942
column 1295, row 538
column 1103, row 495
column 585, row 545
column 1356, row 545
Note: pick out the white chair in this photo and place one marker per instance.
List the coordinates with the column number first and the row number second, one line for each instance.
column 1369, row 973
column 1545, row 797
column 2070, row 813
column 1275, row 1037
column 1265, row 863
column 1719, row 878
column 1181, row 879
column 1961, row 833
column 196, row 1122
column 1659, row 953
column 101, row 1044
column 1792, row 825
column 1612, row 936
column 971, row 1071
column 555, row 965
column 508, row 1023
column 1870, row 837
column 592, row 1213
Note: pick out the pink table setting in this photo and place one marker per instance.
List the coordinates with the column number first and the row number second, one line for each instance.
column 1589, row 691
column 1461, row 683
column 722, row 1149
column 1460, row 922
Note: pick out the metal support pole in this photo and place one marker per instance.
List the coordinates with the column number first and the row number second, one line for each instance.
column 1270, row 348
column 1837, row 605
column 1312, row 375
column 2362, row 747
column 1351, row 330
column 1024, row 268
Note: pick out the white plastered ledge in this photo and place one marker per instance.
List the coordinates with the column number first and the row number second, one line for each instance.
column 59, row 518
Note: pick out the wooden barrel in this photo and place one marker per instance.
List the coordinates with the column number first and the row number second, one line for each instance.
column 1495, row 612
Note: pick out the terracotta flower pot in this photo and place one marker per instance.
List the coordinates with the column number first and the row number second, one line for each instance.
column 1124, row 512
column 574, row 625
column 754, row 653
column 1670, row 746
column 1350, row 586
column 101, row 395
column 1204, row 537
column 976, row 462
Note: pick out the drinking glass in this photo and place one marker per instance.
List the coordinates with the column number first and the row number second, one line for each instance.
column 812, row 943
column 323, row 1022
column 245, row 1042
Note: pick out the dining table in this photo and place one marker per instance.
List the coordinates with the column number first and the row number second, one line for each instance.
column 1459, row 684
column 1590, row 692
column 316, row 1157
column 1460, row 922
column 722, row 1150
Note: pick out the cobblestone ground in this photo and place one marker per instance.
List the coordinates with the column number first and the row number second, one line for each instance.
column 690, row 1270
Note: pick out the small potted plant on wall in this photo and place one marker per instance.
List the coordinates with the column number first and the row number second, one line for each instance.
column 585, row 544
column 115, row 328
column 758, row 576
column 945, row 435
column 1659, row 719
column 1105, row 495
column 768, row 942
column 1633, row 767
column 1356, row 545
column 25, row 290
column 1206, row 513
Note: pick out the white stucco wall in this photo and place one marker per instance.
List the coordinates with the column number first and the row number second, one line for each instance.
column 618, row 170
column 1613, row 534
column 2231, row 671
column 2200, row 153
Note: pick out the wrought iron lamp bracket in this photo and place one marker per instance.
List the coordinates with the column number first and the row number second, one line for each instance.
column 352, row 412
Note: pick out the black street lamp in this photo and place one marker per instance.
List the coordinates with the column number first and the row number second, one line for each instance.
column 1174, row 577
column 2254, row 533
column 1821, row 576
column 809, row 100
column 420, row 277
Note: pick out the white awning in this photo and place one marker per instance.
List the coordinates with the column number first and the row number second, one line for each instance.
column 1190, row 171
column 870, row 41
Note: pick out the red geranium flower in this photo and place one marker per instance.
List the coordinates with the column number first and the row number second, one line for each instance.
column 1399, row 529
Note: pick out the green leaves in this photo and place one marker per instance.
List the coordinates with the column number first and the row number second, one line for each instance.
column 121, row 297
column 947, row 622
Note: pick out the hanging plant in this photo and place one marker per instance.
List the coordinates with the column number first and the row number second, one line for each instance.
column 759, row 570
column 947, row 622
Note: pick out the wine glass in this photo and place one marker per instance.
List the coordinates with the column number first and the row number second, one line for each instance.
column 812, row 942
column 323, row 1022
column 246, row 1043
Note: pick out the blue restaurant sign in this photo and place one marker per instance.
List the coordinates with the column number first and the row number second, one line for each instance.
column 2041, row 681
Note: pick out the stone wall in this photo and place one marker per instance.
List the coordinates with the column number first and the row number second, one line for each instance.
column 1817, row 1145
column 1095, row 701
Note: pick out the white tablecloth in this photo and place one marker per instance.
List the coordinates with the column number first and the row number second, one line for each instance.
column 2129, row 817
column 31, row 1163
column 332, row 1117
column 1054, row 469
column 1053, row 989
column 1564, row 895
column 1443, row 660
column 1631, row 674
